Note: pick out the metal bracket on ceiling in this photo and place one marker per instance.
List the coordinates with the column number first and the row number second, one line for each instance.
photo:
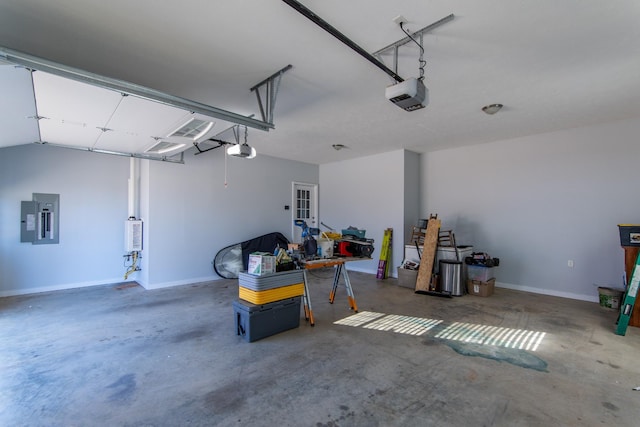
column 420, row 33
column 34, row 63
column 169, row 159
column 271, row 86
column 216, row 138
column 296, row 5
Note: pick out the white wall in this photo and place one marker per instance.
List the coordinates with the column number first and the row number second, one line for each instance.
column 93, row 208
column 538, row 201
column 412, row 192
column 367, row 193
column 535, row 202
column 191, row 215
column 188, row 214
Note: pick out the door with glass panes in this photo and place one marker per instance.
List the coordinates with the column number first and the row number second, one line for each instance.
column 305, row 208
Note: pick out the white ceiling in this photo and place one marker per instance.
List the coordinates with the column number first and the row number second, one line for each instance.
column 554, row 64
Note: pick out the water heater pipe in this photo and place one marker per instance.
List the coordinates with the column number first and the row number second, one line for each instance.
column 133, row 189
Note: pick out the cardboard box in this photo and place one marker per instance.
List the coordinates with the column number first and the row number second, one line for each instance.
column 480, row 288
column 407, row 278
column 294, row 246
column 261, row 263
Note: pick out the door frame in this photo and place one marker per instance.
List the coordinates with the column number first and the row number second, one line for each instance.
column 314, row 199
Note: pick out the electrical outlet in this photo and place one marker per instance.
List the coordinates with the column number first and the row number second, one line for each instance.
column 570, row 263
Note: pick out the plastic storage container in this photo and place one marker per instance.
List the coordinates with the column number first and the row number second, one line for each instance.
column 411, row 253
column 254, row 322
column 270, row 281
column 407, row 278
column 270, row 295
column 479, row 272
column 271, row 287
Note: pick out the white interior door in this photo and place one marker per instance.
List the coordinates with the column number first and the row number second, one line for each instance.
column 305, row 208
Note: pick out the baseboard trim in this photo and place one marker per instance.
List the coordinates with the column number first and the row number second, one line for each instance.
column 29, row 291
column 363, row 270
column 190, row 281
column 550, row 292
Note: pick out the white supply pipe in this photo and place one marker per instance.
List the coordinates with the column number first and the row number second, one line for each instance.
column 133, row 193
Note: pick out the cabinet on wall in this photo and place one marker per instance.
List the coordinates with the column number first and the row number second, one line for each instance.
column 630, row 256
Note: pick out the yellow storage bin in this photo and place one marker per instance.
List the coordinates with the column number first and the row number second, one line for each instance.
column 271, row 295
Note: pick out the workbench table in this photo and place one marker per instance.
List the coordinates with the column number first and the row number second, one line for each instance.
column 340, row 269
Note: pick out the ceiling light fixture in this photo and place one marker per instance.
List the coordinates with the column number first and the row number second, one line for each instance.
column 492, row 108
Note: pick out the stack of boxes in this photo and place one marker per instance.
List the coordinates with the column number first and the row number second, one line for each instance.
column 269, row 301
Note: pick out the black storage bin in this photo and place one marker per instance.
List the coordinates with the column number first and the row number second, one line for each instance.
column 629, row 234
column 254, row 322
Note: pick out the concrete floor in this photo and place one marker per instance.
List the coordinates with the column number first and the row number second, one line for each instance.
column 124, row 356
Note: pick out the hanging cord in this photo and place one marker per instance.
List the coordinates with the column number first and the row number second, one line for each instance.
column 225, row 166
column 246, row 131
column 421, row 60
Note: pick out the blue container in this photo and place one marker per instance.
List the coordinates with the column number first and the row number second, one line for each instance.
column 254, row 322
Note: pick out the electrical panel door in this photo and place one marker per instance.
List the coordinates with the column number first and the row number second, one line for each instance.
column 28, row 221
column 40, row 219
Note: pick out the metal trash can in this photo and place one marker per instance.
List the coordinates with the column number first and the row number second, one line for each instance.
column 451, row 277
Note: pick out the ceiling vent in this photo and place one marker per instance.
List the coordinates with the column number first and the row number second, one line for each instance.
column 192, row 129
column 162, row 147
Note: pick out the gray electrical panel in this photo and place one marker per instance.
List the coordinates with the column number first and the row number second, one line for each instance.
column 28, row 222
column 40, row 219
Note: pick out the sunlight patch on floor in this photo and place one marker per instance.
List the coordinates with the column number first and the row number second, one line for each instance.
column 493, row 335
column 359, row 319
column 403, row 324
column 521, row 339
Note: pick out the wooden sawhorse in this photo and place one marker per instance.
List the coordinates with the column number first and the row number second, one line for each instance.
column 339, row 264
